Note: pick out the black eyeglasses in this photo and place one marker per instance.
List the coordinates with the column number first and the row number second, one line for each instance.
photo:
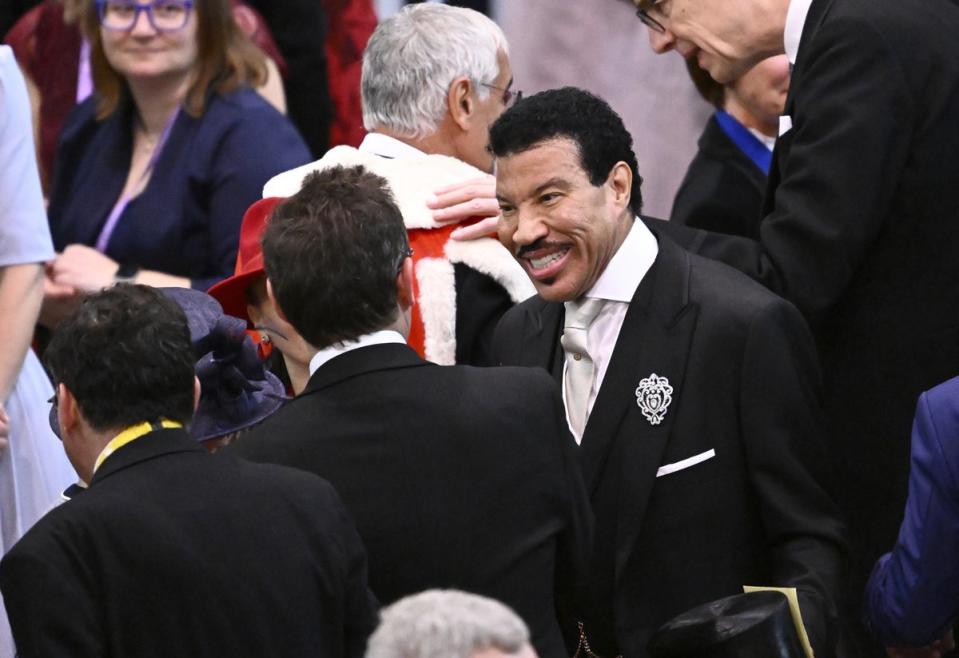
column 408, row 253
column 643, row 15
column 509, row 96
column 164, row 15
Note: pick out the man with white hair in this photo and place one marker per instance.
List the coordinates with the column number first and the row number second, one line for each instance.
column 435, row 77
column 449, row 624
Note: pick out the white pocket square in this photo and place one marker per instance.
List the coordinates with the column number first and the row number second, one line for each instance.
column 666, row 469
column 785, row 124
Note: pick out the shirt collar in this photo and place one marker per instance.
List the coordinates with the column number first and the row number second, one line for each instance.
column 376, row 338
column 628, row 266
column 389, row 147
column 767, row 141
column 795, row 21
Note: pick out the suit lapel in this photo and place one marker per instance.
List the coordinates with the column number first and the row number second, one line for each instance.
column 655, row 339
column 814, row 18
column 539, row 346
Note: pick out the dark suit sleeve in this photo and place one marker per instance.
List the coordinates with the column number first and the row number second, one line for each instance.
column 788, row 464
column 838, row 170
column 52, row 610
column 913, row 593
column 506, row 338
column 361, row 607
column 480, row 303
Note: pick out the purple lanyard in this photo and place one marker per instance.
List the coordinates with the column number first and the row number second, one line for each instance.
column 114, row 217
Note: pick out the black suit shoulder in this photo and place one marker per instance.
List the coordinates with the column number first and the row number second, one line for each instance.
column 495, row 403
column 197, row 533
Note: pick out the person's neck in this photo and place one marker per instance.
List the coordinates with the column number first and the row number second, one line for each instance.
column 299, row 373
column 87, row 444
column 156, row 101
column 432, row 144
column 738, row 111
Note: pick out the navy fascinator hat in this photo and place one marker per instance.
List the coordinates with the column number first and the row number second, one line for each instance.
column 236, row 389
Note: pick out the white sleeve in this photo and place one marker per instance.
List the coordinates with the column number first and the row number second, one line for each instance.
column 24, row 232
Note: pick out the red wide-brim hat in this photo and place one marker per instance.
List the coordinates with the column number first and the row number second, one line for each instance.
column 231, row 292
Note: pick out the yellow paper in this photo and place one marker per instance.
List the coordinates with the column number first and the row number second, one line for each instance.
column 794, row 610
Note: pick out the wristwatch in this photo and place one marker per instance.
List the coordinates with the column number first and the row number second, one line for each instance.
column 126, row 273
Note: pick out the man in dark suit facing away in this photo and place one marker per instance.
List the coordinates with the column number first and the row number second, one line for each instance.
column 691, row 389
column 457, row 476
column 171, row 551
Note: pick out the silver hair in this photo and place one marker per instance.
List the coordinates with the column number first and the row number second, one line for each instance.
column 446, row 624
column 412, row 58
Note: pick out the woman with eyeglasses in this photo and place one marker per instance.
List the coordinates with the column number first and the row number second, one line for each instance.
column 154, row 171
column 54, row 57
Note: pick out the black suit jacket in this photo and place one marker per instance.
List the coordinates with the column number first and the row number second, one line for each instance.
column 723, row 189
column 741, row 364
column 861, row 232
column 172, row 552
column 457, row 476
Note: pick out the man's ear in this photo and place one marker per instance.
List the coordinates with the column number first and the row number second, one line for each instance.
column 273, row 300
column 404, row 285
column 197, row 390
column 461, row 102
column 620, row 184
column 68, row 411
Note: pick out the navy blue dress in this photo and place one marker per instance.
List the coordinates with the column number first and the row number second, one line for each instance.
column 187, row 220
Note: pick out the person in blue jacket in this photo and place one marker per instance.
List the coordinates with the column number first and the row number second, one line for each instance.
column 912, row 598
column 156, row 169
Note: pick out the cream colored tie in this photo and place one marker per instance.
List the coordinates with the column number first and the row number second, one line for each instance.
column 579, row 365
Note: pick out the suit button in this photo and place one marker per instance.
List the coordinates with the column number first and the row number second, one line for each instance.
column 577, row 357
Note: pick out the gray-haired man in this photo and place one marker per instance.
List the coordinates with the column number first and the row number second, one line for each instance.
column 434, row 78
column 449, row 624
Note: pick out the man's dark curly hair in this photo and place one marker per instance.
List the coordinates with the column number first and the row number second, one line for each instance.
column 575, row 114
column 125, row 355
column 332, row 252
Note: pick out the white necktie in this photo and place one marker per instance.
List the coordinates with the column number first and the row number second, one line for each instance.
column 579, row 365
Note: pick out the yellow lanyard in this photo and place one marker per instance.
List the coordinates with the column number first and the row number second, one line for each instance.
column 131, row 434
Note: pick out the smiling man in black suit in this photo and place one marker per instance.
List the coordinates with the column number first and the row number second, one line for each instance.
column 691, row 389
column 457, row 476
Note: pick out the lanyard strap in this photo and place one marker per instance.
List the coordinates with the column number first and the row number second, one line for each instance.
column 747, row 142
column 114, row 217
column 131, row 434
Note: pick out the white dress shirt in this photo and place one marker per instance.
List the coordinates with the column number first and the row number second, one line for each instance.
column 382, row 337
column 617, row 285
column 388, row 147
column 767, row 141
column 795, row 22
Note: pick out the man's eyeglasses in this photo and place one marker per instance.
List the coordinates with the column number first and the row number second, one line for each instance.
column 509, row 96
column 642, row 14
column 164, row 15
column 408, row 253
